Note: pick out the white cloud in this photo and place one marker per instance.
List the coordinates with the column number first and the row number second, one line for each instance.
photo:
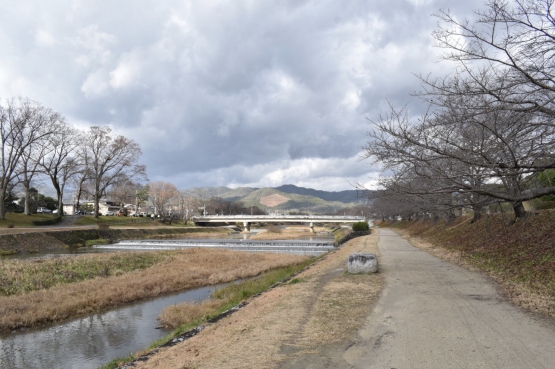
column 95, row 84
column 44, row 38
column 226, row 92
column 125, row 74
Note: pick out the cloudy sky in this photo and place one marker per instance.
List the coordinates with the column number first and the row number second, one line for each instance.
column 231, row 92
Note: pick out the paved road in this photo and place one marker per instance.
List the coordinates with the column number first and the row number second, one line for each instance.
column 433, row 314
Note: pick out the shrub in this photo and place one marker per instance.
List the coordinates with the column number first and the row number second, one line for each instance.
column 9, row 226
column 50, row 221
column 360, row 226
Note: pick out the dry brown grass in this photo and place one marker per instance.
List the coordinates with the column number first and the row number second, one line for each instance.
column 176, row 315
column 289, row 233
column 326, row 306
column 187, row 269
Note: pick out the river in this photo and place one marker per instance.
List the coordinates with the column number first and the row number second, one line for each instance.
column 94, row 340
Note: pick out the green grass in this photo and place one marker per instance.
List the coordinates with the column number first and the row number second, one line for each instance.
column 100, row 241
column 297, row 280
column 231, row 296
column 22, row 276
column 22, row 220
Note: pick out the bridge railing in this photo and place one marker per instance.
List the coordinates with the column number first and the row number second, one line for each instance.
column 245, row 216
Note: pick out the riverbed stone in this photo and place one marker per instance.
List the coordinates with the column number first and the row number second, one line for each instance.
column 362, row 263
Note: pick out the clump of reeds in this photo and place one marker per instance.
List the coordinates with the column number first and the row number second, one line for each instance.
column 22, row 276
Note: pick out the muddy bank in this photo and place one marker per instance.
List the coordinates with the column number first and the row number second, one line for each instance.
column 36, row 242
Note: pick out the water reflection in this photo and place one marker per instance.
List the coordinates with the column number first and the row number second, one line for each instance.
column 91, row 341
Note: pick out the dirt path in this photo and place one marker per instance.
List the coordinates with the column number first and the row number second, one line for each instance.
column 431, row 315
column 437, row 315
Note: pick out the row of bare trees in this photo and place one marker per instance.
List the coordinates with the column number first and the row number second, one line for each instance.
column 488, row 135
column 168, row 200
column 38, row 142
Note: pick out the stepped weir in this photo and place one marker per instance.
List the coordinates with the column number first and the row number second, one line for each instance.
column 292, row 247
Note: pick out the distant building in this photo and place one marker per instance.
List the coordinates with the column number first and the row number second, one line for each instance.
column 104, row 205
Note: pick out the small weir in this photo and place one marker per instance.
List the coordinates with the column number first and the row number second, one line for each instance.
column 293, row 247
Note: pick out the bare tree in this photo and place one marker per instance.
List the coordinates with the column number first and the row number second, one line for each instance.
column 111, row 160
column 60, row 163
column 507, row 55
column 493, row 154
column 160, row 195
column 82, row 176
column 23, row 123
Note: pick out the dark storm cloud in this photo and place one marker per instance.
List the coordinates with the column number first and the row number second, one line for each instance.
column 225, row 92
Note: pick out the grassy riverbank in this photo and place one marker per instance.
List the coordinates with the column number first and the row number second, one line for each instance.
column 184, row 317
column 520, row 256
column 322, row 308
column 23, row 220
column 185, row 314
column 18, row 277
column 105, row 282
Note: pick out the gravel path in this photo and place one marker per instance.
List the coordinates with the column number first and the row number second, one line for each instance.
column 433, row 314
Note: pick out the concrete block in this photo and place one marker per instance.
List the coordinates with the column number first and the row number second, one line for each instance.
column 362, row 262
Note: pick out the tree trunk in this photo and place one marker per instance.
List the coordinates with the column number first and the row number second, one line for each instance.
column 478, row 211
column 60, row 204
column 2, row 208
column 518, row 208
column 96, row 204
column 27, row 195
column 78, row 199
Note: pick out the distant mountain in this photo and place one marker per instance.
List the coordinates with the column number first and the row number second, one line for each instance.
column 238, row 193
column 347, row 196
column 286, row 197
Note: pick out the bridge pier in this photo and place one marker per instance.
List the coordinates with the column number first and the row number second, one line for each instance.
column 311, row 227
column 247, row 226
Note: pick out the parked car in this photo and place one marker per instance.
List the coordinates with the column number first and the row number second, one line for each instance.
column 143, row 214
column 42, row 210
column 109, row 213
column 79, row 212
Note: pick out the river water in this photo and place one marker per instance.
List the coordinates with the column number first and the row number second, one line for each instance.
column 94, row 340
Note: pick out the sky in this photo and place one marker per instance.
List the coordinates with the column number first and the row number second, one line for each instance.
column 227, row 93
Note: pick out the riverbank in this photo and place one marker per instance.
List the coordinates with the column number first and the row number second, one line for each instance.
column 321, row 306
column 519, row 256
column 170, row 271
column 44, row 239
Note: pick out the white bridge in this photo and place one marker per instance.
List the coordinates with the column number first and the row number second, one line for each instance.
column 248, row 219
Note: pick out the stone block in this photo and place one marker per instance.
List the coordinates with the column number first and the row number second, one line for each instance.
column 362, row 262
